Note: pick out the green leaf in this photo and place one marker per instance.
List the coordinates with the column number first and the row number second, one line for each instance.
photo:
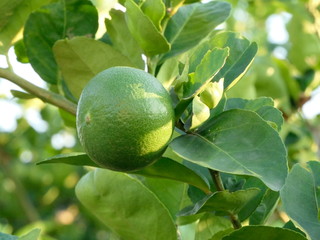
column 122, row 39
column 21, row 95
column 248, row 104
column 200, row 113
column 212, row 94
column 264, row 233
column 192, row 23
column 75, row 158
column 21, row 52
column 222, row 201
column 299, row 200
column 221, row 234
column 263, row 106
column 155, row 10
column 242, row 53
column 164, row 168
column 291, row 226
column 125, row 205
column 306, row 57
column 79, row 64
column 238, row 142
column 51, row 23
column 32, row 235
column 169, row 169
column 168, row 72
column 209, row 225
column 171, row 193
column 251, row 206
column 10, row 24
column 148, row 37
column 210, row 65
column 265, row 208
column 4, row 236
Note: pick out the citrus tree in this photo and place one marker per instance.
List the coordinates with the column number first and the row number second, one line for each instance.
column 173, row 146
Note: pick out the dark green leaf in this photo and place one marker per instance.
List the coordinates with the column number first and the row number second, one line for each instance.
column 51, row 23
column 78, row 159
column 300, row 202
column 144, row 31
column 222, row 201
column 192, row 23
column 169, row 169
column 21, row 95
column 291, row 226
column 210, row 65
column 264, row 233
column 122, row 39
column 79, row 64
column 265, row 208
column 21, row 52
column 238, row 142
column 251, row 206
column 125, row 205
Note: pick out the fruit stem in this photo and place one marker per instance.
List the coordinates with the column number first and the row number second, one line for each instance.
column 43, row 94
column 219, row 185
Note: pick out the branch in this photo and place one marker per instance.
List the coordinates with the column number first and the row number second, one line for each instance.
column 44, row 95
column 219, row 185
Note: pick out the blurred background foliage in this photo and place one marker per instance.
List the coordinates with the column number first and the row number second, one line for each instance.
column 287, row 69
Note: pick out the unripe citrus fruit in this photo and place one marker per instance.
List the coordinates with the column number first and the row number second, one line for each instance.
column 125, row 119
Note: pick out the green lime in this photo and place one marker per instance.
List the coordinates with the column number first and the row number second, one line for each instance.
column 125, row 119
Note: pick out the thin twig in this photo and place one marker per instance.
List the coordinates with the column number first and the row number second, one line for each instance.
column 44, row 95
column 219, row 185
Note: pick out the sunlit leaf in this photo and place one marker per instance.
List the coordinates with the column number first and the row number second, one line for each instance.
column 79, row 64
column 148, row 37
column 209, row 225
column 125, row 205
column 122, row 39
column 155, row 10
column 171, row 193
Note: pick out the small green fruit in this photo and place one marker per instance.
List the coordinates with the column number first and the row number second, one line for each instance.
column 125, row 119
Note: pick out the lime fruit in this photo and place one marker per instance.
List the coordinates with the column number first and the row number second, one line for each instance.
column 125, row 119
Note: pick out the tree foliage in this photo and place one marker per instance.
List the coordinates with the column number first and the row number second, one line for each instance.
column 242, row 152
